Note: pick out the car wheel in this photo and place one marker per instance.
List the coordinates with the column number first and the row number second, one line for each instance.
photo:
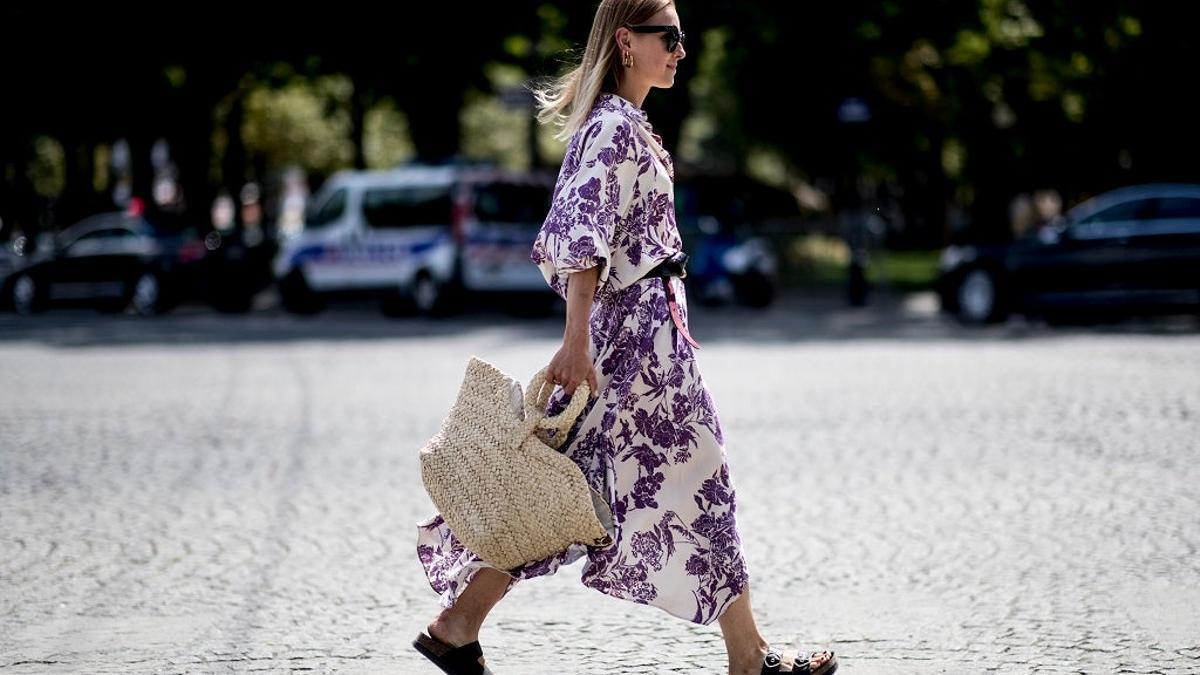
column 147, row 297
column 431, row 298
column 426, row 294
column 26, row 295
column 978, row 297
column 296, row 296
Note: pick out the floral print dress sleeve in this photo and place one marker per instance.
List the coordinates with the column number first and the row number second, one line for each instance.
column 590, row 201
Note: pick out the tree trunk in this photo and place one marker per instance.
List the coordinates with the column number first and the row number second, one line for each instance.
column 78, row 196
column 358, row 120
column 433, row 120
column 536, row 162
column 140, row 143
column 9, row 166
column 191, row 146
column 233, row 164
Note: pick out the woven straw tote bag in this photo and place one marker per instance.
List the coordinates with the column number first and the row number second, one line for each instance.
column 496, row 477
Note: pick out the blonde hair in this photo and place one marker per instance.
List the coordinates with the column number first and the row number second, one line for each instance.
column 567, row 99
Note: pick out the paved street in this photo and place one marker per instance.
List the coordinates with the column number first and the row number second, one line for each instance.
column 208, row 493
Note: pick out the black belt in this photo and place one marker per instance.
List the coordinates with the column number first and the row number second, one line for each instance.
column 675, row 266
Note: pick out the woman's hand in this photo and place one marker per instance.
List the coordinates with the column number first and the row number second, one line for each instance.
column 570, row 366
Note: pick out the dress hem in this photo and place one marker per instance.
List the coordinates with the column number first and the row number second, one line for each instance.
column 688, row 618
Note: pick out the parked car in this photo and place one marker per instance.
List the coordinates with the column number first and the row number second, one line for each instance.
column 727, row 268
column 419, row 238
column 1132, row 249
column 718, row 218
column 109, row 261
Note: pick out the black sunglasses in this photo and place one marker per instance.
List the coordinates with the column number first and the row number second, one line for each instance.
column 673, row 38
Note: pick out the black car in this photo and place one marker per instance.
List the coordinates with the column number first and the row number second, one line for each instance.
column 1132, row 249
column 111, row 261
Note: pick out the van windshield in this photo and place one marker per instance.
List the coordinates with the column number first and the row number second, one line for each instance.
column 401, row 207
column 321, row 212
column 508, row 203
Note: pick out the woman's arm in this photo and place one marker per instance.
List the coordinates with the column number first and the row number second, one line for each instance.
column 572, row 365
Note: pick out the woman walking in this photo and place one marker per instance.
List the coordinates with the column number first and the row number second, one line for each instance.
column 649, row 439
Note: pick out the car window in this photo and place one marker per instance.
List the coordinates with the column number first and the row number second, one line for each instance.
column 106, row 234
column 88, row 226
column 102, row 240
column 94, row 235
column 1115, row 223
column 1172, row 216
column 101, row 219
column 329, row 211
column 507, row 203
column 1178, row 207
column 1137, row 209
column 406, row 206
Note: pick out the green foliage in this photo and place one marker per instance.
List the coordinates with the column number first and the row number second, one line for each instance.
column 303, row 123
column 972, row 101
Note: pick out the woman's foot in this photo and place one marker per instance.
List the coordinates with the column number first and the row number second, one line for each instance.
column 451, row 634
column 788, row 661
column 773, row 660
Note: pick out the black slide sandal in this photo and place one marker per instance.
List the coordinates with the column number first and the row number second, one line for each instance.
column 453, row 660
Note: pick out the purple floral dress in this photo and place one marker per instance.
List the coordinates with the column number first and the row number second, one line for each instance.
column 650, row 440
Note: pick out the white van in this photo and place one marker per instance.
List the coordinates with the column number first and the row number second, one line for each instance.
column 419, row 237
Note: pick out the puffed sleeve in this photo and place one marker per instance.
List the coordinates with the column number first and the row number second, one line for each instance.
column 592, row 194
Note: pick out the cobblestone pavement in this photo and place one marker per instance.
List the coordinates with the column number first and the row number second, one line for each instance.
column 202, row 493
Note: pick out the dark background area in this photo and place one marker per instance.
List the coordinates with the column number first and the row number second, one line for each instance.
column 971, row 103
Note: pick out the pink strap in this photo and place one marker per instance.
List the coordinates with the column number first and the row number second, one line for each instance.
column 675, row 314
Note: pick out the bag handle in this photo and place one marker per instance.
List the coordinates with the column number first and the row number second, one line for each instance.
column 537, row 395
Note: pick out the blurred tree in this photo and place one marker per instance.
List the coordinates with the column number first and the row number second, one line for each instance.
column 972, row 102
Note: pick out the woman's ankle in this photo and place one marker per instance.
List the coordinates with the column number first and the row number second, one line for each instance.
column 460, row 623
column 747, row 659
column 454, row 628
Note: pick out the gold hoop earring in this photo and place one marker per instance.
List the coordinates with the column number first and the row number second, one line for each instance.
column 627, row 60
